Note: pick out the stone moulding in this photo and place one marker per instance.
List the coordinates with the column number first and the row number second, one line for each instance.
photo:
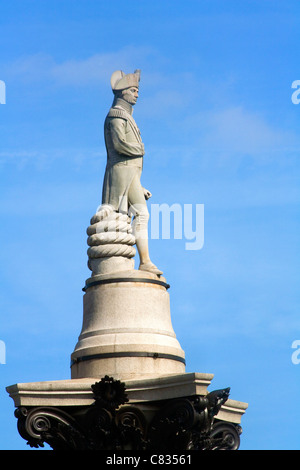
column 124, row 279
column 77, row 392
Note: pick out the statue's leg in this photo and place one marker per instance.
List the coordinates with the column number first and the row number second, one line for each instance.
column 139, row 211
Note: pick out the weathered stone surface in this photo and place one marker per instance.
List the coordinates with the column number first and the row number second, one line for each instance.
column 127, row 330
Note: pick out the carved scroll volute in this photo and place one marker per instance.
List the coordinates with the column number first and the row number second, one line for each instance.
column 50, row 425
column 225, row 436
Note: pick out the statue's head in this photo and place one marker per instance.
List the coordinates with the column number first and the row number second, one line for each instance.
column 126, row 86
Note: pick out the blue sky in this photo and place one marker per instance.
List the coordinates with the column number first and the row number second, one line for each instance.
column 219, row 128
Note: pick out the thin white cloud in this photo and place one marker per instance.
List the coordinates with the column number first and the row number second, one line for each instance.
column 93, row 69
column 44, row 159
column 236, row 130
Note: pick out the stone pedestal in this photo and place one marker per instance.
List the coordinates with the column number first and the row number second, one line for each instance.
column 127, row 331
column 128, row 388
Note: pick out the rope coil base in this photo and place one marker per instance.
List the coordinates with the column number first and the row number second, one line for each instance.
column 105, row 251
column 110, row 234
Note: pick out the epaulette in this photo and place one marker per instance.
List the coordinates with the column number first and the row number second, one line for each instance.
column 117, row 113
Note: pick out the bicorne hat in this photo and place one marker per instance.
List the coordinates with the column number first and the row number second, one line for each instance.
column 119, row 80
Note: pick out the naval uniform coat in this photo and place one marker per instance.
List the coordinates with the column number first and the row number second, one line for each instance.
column 125, row 151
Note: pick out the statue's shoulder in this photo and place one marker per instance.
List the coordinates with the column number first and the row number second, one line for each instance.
column 120, row 113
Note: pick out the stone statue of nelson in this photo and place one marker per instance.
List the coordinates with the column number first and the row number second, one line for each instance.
column 122, row 187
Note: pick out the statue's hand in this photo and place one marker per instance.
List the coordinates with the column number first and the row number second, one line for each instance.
column 147, row 193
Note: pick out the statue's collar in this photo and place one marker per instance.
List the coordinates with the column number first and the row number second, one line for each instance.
column 123, row 104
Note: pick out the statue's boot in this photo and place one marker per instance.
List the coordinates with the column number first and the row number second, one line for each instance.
column 145, row 262
column 151, row 268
